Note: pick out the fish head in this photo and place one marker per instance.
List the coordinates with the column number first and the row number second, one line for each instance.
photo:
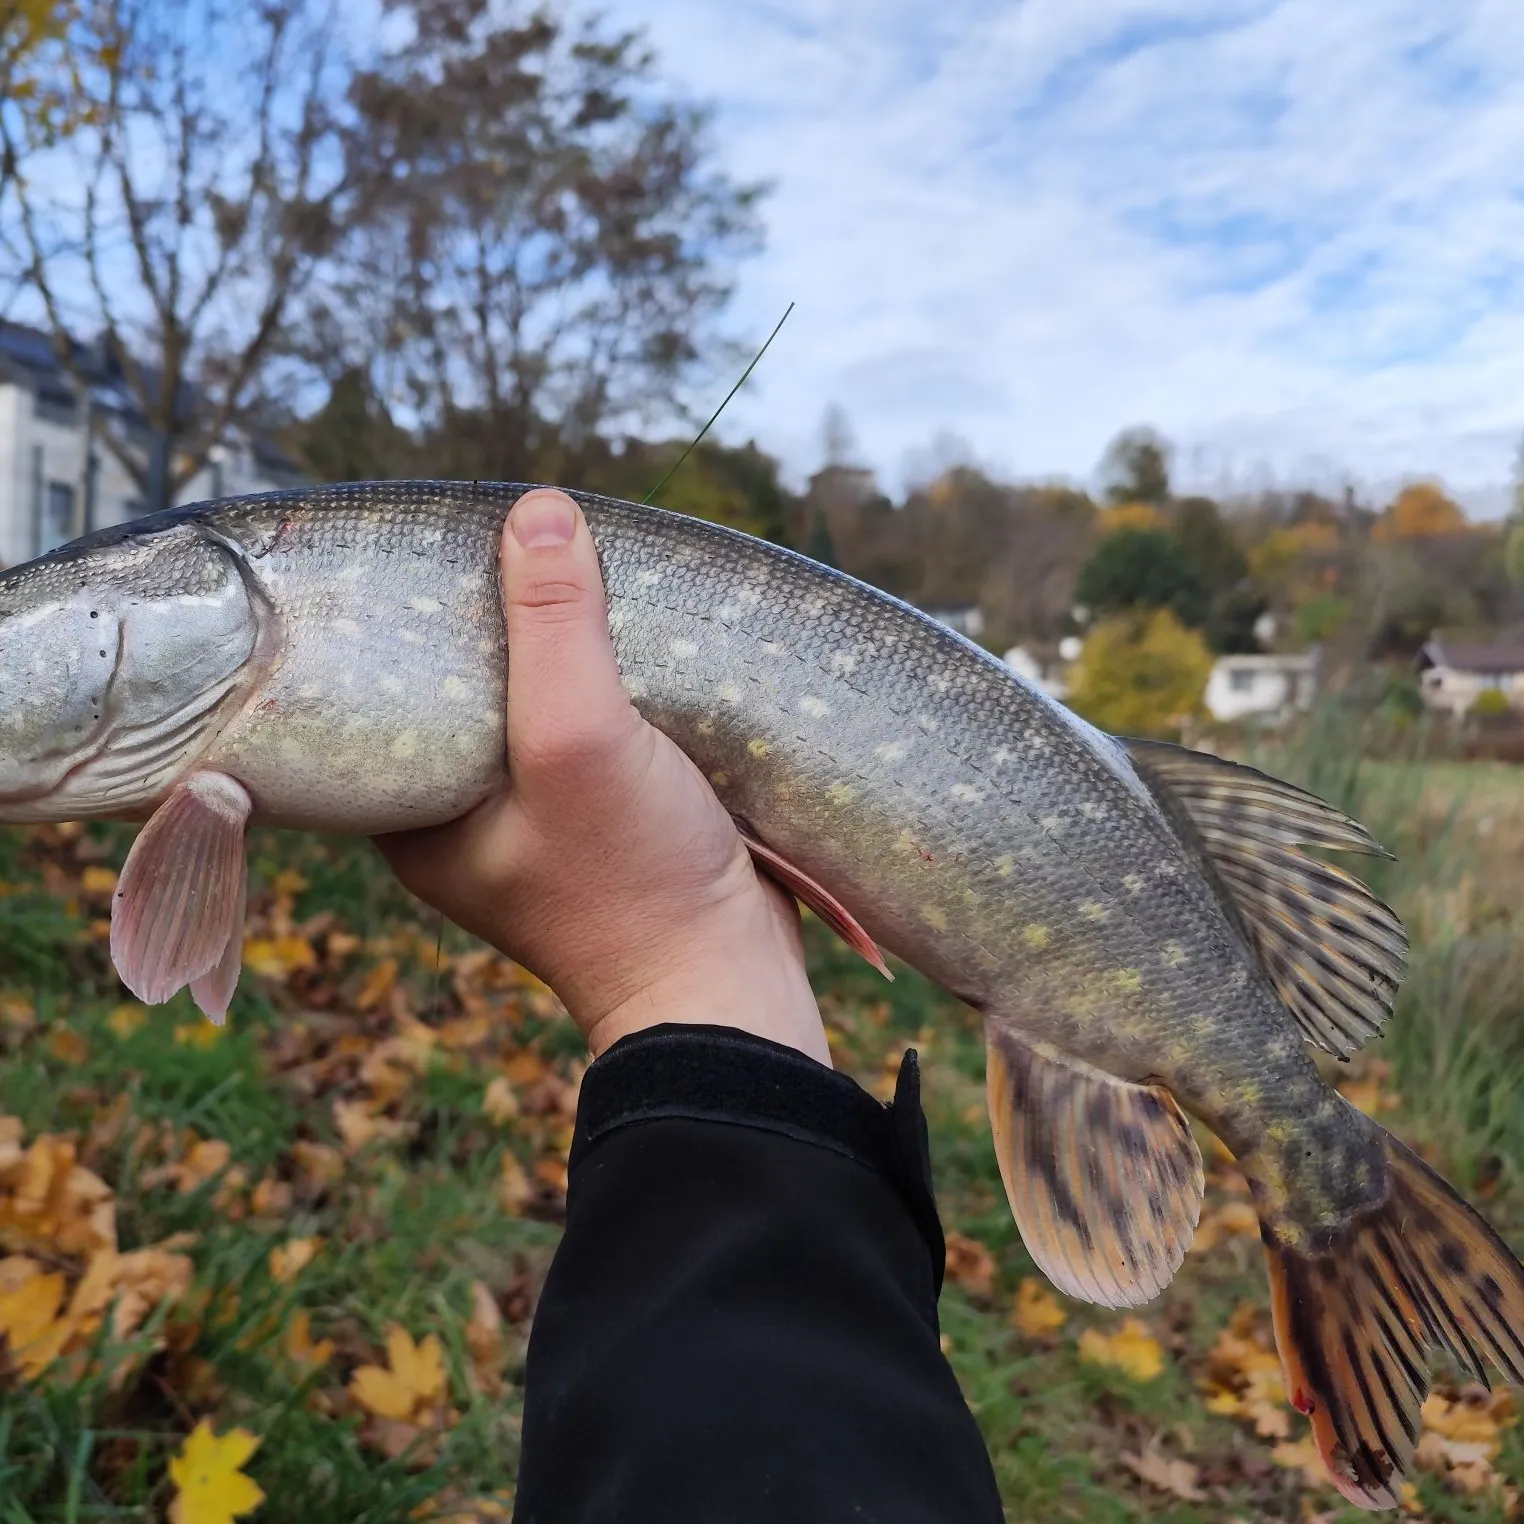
column 121, row 657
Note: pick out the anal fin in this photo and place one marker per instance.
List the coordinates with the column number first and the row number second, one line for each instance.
column 1103, row 1176
column 177, row 917
column 817, row 897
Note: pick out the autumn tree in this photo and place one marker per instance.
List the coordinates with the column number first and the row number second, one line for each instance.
column 1135, row 468
column 551, row 242
column 1141, row 674
column 186, row 224
column 1141, row 569
column 1420, row 511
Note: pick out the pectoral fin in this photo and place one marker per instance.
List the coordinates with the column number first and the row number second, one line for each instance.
column 177, row 917
column 817, row 897
column 1334, row 952
column 1104, row 1177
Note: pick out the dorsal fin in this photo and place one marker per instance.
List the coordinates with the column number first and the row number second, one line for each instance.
column 1334, row 952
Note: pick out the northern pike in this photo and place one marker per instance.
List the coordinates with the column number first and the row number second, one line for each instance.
column 1138, row 923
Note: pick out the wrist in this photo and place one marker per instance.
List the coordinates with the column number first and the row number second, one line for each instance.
column 776, row 1003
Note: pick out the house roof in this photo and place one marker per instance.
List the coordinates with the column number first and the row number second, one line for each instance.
column 1473, row 656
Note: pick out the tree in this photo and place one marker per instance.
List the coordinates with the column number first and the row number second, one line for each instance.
column 1141, row 569
column 1420, row 511
column 1513, row 554
column 352, row 437
column 1141, row 675
column 191, row 217
column 552, row 240
column 1210, row 547
column 1135, row 468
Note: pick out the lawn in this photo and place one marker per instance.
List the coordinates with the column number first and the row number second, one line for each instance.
column 324, row 1227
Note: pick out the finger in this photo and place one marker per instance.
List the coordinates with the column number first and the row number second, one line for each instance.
column 566, row 706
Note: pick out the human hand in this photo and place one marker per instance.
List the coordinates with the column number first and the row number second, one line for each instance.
column 607, row 867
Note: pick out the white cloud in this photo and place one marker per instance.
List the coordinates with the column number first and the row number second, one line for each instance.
column 1289, row 234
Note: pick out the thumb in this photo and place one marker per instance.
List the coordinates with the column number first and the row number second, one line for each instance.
column 566, row 707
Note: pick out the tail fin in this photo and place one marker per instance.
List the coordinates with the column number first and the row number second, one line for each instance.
column 1356, row 1317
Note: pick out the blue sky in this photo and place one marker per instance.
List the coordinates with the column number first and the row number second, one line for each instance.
column 1288, row 233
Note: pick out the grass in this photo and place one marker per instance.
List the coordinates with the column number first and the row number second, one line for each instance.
column 411, row 1113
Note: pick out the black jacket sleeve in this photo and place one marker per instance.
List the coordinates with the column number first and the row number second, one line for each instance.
column 740, row 1325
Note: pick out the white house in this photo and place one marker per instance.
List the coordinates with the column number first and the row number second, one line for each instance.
column 1269, row 688
column 965, row 618
column 1453, row 675
column 1048, row 669
column 52, row 486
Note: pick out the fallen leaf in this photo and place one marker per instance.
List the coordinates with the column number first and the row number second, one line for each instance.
column 359, row 1127
column 500, row 1103
column 414, row 1383
column 1178, row 1477
column 318, row 1165
column 272, row 1197
column 17, row 1012
column 1038, row 1313
column 514, row 1189
column 1302, row 1455
column 278, row 957
column 969, row 1264
column 484, row 1339
column 300, row 1347
column 66, row 1045
column 378, row 984
column 30, row 1323
column 97, row 882
column 208, row 1476
column 201, row 1034
column 525, row 1069
column 1233, row 1219
column 1132, row 1349
column 289, row 1259
column 124, row 1020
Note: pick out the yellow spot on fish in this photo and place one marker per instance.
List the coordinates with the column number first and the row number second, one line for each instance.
column 634, row 687
column 1001, row 755
column 1128, row 980
column 1052, row 823
column 841, row 793
column 890, row 751
column 757, row 747
column 405, row 745
column 935, row 917
column 1093, row 910
column 1133, row 884
column 682, row 649
column 1280, row 1132
column 1036, row 937
column 728, row 693
column 705, row 727
column 1091, row 810
column 291, row 750
column 719, row 778
column 410, row 637
column 1005, row 866
column 966, row 793
column 1249, row 1092
column 843, row 661
column 424, row 604
column 344, row 626
column 1238, row 978
column 816, row 708
column 1172, row 955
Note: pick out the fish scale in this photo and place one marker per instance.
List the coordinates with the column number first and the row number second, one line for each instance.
column 1137, row 923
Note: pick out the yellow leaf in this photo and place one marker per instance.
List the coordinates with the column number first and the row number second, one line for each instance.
column 278, row 957
column 288, row 883
column 199, row 1034
column 500, row 1103
column 29, row 1323
column 208, row 1476
column 1037, row 1314
column 126, row 1019
column 378, row 985
column 1302, row 1455
column 98, row 881
column 1177, row 1476
column 67, row 1045
column 288, row 1260
column 301, row 1349
column 414, row 1384
column 1132, row 1349
column 17, row 1011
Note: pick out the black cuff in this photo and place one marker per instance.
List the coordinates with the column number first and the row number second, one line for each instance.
column 721, row 1074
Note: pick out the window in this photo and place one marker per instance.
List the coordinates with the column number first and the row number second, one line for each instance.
column 1241, row 679
column 57, row 525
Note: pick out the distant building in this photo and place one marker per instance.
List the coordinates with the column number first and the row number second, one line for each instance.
column 1454, row 674
column 53, row 486
column 1047, row 669
column 965, row 618
column 1271, row 688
